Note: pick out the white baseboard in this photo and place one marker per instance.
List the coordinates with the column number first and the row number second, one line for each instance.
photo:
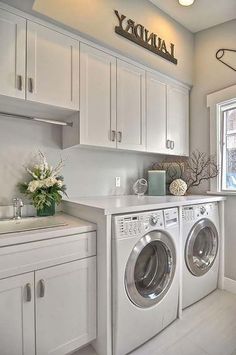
column 230, row 285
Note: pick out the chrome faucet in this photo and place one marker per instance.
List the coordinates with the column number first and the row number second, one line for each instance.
column 17, row 208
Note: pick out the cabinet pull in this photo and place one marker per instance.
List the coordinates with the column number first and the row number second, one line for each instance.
column 28, row 292
column 172, row 145
column 19, row 82
column 41, row 288
column 119, row 136
column 113, row 135
column 30, row 85
column 168, row 144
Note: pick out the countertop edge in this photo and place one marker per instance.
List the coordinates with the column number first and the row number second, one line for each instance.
column 146, row 207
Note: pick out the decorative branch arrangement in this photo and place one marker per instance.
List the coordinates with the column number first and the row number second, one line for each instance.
column 197, row 168
column 200, row 167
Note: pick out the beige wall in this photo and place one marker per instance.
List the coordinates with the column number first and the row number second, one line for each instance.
column 96, row 19
column 209, row 76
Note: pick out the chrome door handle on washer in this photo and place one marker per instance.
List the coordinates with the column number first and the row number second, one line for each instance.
column 172, row 145
column 168, row 144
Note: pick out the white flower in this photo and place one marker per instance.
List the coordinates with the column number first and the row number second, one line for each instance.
column 34, row 185
column 50, row 181
column 59, row 183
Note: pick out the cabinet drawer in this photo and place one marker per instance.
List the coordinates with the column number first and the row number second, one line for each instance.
column 26, row 257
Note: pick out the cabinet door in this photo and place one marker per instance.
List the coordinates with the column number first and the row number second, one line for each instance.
column 156, row 114
column 17, row 315
column 52, row 67
column 97, row 97
column 130, row 106
column 65, row 307
column 178, row 119
column 12, row 58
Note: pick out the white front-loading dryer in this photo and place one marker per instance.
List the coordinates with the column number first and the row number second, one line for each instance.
column 200, row 264
column 145, row 276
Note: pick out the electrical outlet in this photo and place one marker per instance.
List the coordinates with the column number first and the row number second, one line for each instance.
column 117, row 181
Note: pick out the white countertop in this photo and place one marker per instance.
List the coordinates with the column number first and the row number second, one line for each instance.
column 72, row 226
column 131, row 203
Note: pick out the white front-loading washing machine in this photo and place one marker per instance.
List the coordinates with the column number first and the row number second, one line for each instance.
column 200, row 264
column 145, row 276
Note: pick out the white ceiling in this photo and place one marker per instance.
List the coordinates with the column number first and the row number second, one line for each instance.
column 201, row 15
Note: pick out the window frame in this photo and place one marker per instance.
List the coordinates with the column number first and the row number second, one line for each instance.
column 219, row 102
column 223, row 146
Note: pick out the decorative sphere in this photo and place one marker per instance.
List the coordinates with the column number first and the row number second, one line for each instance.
column 178, row 187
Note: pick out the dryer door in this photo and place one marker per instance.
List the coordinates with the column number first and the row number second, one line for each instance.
column 201, row 247
column 150, row 269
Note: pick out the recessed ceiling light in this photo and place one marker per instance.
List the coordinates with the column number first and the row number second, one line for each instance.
column 186, row 2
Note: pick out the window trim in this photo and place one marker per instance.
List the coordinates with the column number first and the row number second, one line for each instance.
column 219, row 102
column 222, row 146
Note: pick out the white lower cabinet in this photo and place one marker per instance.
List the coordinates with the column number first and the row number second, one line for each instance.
column 17, row 315
column 65, row 307
column 49, row 311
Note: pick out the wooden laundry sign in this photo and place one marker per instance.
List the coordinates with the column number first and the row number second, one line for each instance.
column 138, row 34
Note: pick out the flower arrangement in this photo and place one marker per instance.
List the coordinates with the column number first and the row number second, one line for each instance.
column 46, row 186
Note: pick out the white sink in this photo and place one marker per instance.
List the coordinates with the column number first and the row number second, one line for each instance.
column 28, row 224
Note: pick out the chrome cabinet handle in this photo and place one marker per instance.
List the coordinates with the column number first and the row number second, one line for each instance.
column 19, row 82
column 119, row 136
column 41, row 288
column 172, row 145
column 113, row 135
column 28, row 292
column 168, row 144
column 30, row 85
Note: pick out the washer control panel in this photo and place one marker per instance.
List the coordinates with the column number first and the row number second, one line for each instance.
column 139, row 224
column 134, row 224
column 171, row 217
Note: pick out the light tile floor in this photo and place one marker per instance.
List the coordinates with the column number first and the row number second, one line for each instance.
column 207, row 328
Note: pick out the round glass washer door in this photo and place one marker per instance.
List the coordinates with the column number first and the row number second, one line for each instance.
column 201, row 247
column 150, row 269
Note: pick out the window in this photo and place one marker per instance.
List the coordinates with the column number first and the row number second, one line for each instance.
column 228, row 149
column 222, row 106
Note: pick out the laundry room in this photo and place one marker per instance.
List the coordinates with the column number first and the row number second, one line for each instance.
column 117, row 199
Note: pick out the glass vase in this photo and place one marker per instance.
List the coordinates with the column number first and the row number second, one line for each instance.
column 47, row 210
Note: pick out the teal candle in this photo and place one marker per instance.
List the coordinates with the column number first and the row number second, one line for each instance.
column 156, row 182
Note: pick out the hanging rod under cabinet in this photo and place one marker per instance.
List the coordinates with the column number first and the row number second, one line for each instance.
column 38, row 119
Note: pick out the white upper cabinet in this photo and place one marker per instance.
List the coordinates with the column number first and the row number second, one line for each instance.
column 167, row 116
column 131, row 120
column 65, row 307
column 178, row 120
column 52, row 67
column 17, row 315
column 97, row 97
column 156, row 114
column 12, row 57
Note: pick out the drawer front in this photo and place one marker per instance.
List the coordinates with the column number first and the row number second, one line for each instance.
column 27, row 257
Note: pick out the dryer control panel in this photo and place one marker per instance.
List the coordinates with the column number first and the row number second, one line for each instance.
column 193, row 213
